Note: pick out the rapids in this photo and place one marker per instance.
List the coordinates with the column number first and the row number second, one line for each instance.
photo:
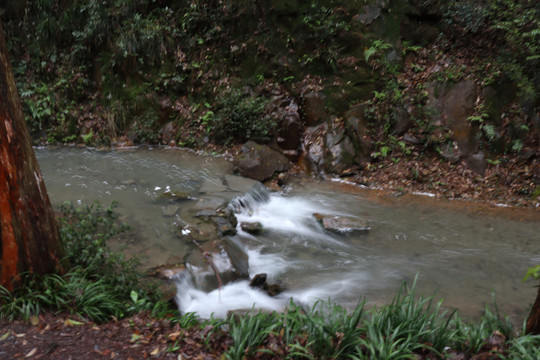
column 462, row 252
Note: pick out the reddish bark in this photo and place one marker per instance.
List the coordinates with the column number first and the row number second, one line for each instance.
column 533, row 321
column 29, row 236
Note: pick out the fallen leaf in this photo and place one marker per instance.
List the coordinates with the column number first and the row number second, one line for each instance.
column 5, row 336
column 174, row 335
column 155, row 352
column 31, row 353
column 34, row 320
column 73, row 322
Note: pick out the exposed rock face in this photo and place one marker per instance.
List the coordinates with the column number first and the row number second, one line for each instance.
column 315, row 147
column 313, row 108
column 455, row 104
column 260, row 162
column 341, row 224
column 341, row 154
column 357, row 128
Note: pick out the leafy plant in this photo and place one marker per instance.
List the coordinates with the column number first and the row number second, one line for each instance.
column 248, row 332
column 525, row 348
column 240, row 117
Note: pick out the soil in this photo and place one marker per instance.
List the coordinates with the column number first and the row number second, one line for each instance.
column 141, row 337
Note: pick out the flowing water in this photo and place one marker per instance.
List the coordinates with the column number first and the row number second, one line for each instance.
column 462, row 252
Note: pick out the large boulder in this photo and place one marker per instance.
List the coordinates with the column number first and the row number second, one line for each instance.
column 341, row 152
column 455, row 103
column 260, row 162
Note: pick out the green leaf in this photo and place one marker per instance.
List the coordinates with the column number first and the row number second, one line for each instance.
column 134, row 296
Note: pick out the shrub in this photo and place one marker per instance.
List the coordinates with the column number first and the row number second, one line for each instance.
column 239, row 118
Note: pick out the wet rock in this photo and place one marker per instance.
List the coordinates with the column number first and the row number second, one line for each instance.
column 341, row 224
column 176, row 195
column 224, row 226
column 260, row 162
column 226, row 222
column 170, row 210
column 166, row 271
column 239, row 183
column 207, row 213
column 313, row 108
column 212, row 185
column 238, row 256
column 128, row 182
column 251, row 228
column 259, row 282
column 209, row 203
column 342, row 155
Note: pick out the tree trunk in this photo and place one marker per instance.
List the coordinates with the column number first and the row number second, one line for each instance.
column 533, row 321
column 29, row 236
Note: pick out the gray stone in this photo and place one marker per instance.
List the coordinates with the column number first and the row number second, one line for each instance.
column 313, row 109
column 206, row 213
column 238, row 256
column 477, row 162
column 260, row 162
column 224, row 226
column 370, row 13
column 170, row 210
column 341, row 224
column 251, row 228
column 239, row 183
column 176, row 195
column 128, row 182
column 212, row 185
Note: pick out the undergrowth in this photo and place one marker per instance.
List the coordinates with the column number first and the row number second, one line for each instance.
column 101, row 283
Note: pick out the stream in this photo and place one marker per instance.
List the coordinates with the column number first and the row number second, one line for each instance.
column 462, row 252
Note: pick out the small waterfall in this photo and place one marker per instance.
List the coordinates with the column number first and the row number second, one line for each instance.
column 258, row 195
column 217, row 303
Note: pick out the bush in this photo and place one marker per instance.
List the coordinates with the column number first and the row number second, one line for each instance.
column 240, row 118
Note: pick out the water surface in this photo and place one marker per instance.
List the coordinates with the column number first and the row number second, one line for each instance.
column 461, row 251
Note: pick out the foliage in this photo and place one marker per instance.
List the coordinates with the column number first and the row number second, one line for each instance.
column 74, row 292
column 533, row 272
column 101, row 283
column 526, row 347
column 239, row 117
column 247, row 333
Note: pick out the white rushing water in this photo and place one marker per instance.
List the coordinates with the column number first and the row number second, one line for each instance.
column 460, row 255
